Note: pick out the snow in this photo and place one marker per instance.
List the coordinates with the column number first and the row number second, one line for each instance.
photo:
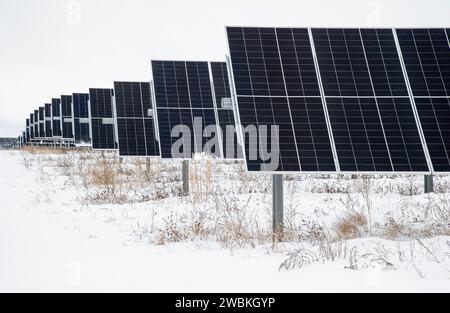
column 52, row 238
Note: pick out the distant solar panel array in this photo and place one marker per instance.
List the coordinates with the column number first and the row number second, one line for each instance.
column 346, row 100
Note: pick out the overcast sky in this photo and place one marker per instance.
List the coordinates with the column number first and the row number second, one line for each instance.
column 54, row 47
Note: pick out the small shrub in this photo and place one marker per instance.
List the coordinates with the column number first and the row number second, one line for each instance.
column 352, row 225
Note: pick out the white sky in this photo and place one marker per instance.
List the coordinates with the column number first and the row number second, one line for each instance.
column 54, row 47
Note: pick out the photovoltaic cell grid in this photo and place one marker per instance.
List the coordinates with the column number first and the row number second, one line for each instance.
column 31, row 126
column 56, row 118
column 362, row 84
column 135, row 123
column 42, row 133
column 36, row 123
column 371, row 115
column 67, row 117
column 102, row 124
column 27, row 123
column 183, row 96
column 230, row 145
column 48, row 120
column 80, row 115
column 426, row 55
column 276, row 84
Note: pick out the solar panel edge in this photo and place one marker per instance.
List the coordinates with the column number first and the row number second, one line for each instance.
column 221, row 82
column 417, row 116
column 216, row 113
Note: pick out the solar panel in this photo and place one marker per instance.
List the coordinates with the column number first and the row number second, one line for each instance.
column 31, row 120
column 102, row 119
column 371, row 115
column 81, row 117
column 426, row 57
column 42, row 122
column 231, row 147
column 36, row 124
column 349, row 81
column 48, row 120
column 183, row 98
column 67, row 117
column 276, row 84
column 27, row 137
column 56, row 118
column 136, row 127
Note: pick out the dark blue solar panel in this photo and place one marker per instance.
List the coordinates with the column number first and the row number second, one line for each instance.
column 67, row 130
column 56, row 107
column 56, row 118
column 426, row 55
column 48, row 110
column 81, row 111
column 370, row 111
column 101, row 103
column 56, row 128
column 82, row 132
column 41, row 113
column 277, row 85
column 66, row 106
column 80, row 105
column 42, row 130
column 31, row 120
column 103, row 134
column 434, row 114
column 183, row 95
column 230, row 145
column 136, row 127
column 67, row 117
column 48, row 129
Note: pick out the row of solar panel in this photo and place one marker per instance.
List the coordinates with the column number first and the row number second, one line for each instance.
column 348, row 100
column 125, row 118
column 341, row 100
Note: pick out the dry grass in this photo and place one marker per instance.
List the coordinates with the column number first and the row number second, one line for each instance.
column 393, row 229
column 224, row 214
column 352, row 225
column 104, row 176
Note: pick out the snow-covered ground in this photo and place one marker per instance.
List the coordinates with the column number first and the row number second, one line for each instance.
column 63, row 230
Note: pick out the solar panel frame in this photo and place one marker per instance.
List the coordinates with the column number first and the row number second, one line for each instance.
column 48, row 120
column 42, row 133
column 221, row 88
column 36, row 125
column 67, row 119
column 27, row 124
column 131, row 120
column 183, row 104
column 98, row 114
column 56, row 118
column 426, row 100
column 31, row 126
column 81, row 112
